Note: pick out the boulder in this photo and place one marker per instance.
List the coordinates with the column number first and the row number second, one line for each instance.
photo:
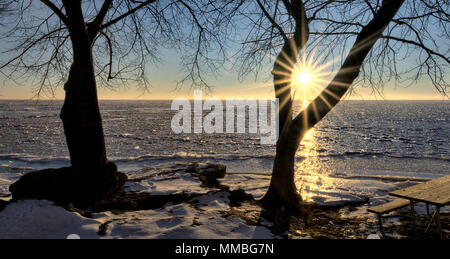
column 212, row 170
column 67, row 185
column 208, row 173
column 238, row 196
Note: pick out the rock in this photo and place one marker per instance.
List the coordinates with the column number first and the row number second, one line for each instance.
column 209, row 173
column 209, row 169
column 65, row 185
column 192, row 168
column 212, row 170
column 3, row 204
column 238, row 196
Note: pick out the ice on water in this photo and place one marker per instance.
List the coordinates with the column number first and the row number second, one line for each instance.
column 362, row 150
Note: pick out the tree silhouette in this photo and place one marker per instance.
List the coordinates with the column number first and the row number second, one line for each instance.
column 385, row 34
column 79, row 43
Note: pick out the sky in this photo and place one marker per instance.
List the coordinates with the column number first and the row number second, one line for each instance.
column 163, row 78
column 226, row 85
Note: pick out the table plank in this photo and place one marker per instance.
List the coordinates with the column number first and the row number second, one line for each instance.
column 438, row 196
column 423, row 186
column 388, row 207
column 436, row 191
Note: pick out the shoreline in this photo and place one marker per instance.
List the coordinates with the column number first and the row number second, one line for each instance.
column 193, row 210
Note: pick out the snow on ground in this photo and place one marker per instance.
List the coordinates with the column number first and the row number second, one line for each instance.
column 205, row 216
column 204, row 220
column 41, row 219
column 202, row 217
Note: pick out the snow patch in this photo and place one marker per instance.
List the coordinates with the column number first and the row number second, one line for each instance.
column 42, row 219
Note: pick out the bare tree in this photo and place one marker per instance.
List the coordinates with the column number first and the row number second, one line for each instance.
column 79, row 43
column 385, row 34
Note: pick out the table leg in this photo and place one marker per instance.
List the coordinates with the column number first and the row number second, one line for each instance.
column 438, row 220
column 431, row 221
column 436, row 216
column 413, row 217
column 380, row 224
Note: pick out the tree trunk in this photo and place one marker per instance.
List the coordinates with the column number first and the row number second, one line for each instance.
column 81, row 117
column 282, row 189
column 80, row 113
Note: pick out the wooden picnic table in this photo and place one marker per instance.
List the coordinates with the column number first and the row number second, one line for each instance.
column 435, row 192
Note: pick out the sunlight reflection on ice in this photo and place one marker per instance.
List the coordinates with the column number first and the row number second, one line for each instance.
column 316, row 182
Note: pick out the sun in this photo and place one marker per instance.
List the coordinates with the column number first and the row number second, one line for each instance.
column 309, row 74
column 308, row 78
column 304, row 77
column 305, row 81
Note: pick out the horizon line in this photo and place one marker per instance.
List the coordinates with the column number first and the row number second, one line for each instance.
column 164, row 99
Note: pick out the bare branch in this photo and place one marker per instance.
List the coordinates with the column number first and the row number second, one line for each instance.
column 274, row 24
column 94, row 26
column 126, row 14
column 418, row 44
column 56, row 10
